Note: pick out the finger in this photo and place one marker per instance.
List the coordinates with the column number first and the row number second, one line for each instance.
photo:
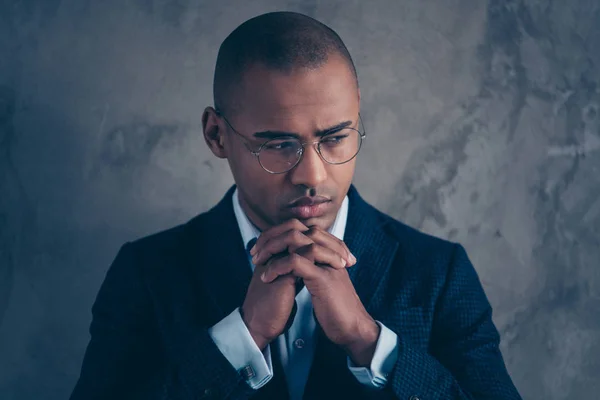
column 276, row 231
column 322, row 255
column 293, row 264
column 286, row 242
column 328, row 240
column 259, row 270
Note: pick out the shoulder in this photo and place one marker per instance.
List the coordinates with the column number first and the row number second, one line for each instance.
column 168, row 247
column 183, row 237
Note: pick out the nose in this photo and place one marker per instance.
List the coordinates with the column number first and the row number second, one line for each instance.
column 311, row 170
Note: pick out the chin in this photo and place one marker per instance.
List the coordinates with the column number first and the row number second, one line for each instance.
column 323, row 222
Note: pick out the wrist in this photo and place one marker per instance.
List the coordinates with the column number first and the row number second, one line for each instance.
column 261, row 341
column 362, row 349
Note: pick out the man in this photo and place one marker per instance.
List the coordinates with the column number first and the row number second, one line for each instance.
column 292, row 286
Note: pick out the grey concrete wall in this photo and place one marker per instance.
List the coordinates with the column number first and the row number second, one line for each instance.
column 483, row 122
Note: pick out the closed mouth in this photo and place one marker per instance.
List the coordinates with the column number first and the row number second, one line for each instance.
column 308, row 201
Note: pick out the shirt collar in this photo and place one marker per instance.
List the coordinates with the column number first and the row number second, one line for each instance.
column 249, row 231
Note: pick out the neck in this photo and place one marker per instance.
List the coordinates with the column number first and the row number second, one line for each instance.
column 253, row 217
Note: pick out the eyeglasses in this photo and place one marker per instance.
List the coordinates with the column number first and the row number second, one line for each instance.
column 280, row 155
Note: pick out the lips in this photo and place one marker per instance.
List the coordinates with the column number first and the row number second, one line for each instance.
column 309, row 207
column 309, row 201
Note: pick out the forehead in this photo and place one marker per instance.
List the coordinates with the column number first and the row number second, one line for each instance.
column 303, row 100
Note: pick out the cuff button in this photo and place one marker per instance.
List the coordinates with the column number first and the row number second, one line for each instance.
column 247, row 372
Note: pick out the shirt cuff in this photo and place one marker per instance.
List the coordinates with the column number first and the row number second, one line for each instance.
column 382, row 364
column 237, row 345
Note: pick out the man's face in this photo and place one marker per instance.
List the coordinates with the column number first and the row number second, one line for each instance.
column 303, row 102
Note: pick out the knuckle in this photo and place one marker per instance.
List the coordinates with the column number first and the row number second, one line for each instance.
column 294, row 259
column 263, row 242
column 295, row 223
column 296, row 236
column 307, row 250
column 271, row 273
column 312, row 248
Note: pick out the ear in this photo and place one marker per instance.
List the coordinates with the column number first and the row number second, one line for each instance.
column 213, row 129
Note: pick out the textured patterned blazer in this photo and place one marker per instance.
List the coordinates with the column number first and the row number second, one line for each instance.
column 149, row 335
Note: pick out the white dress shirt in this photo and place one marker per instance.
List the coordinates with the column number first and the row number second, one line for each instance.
column 297, row 346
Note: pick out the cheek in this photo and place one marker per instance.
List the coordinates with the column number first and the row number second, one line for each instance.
column 270, row 188
column 263, row 189
column 244, row 166
column 342, row 174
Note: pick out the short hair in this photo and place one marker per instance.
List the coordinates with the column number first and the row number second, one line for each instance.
column 282, row 41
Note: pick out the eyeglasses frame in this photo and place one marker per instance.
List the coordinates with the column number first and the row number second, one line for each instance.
column 256, row 153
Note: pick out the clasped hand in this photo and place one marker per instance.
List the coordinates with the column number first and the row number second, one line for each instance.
column 292, row 251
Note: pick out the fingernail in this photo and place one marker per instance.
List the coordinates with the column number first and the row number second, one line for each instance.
column 253, row 250
column 352, row 258
column 254, row 259
column 344, row 263
column 263, row 277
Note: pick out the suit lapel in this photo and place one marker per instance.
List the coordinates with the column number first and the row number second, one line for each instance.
column 220, row 263
column 375, row 249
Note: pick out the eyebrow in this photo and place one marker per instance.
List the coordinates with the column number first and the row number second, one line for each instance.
column 319, row 133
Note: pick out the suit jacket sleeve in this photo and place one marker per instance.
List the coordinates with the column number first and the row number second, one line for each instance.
column 126, row 359
column 464, row 359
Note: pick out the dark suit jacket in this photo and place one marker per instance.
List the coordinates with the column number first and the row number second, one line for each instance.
column 149, row 336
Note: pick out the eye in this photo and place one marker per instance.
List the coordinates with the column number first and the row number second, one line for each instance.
column 333, row 140
column 280, row 145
